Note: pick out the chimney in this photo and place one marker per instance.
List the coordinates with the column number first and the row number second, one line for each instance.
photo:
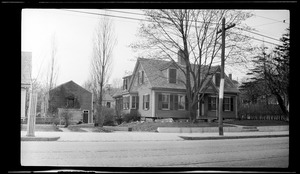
column 180, row 59
column 230, row 76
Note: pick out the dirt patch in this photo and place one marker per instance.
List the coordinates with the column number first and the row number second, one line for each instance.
column 152, row 126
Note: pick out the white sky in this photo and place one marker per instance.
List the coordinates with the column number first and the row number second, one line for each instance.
column 74, row 32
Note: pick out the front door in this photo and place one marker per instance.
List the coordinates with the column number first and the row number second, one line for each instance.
column 85, row 116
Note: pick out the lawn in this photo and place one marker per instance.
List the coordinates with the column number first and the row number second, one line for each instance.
column 257, row 122
column 42, row 128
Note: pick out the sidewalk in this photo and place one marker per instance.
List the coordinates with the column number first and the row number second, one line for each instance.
column 148, row 136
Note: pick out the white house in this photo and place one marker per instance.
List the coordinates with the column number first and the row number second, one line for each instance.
column 26, row 59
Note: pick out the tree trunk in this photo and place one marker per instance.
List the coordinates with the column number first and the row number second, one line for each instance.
column 281, row 104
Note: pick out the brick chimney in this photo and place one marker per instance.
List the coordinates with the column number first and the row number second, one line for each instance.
column 230, row 76
column 180, row 59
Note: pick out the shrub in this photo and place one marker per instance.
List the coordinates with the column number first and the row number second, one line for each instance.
column 66, row 116
column 106, row 115
column 132, row 116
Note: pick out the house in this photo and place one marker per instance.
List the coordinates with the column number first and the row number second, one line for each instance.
column 26, row 58
column 108, row 101
column 156, row 90
column 73, row 98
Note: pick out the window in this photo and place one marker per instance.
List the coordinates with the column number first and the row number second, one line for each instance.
column 146, row 101
column 228, row 104
column 140, row 77
column 171, row 101
column 163, row 101
column 212, row 103
column 70, row 102
column 126, row 103
column 124, row 84
column 172, row 75
column 108, row 104
column 134, row 102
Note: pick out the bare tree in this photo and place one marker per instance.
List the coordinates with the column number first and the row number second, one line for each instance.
column 193, row 34
column 53, row 68
column 103, row 45
column 52, row 74
column 117, row 83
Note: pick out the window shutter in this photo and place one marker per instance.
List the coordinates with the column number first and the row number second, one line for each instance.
column 171, row 102
column 143, row 102
column 209, row 103
column 175, row 102
column 142, row 77
column 148, row 101
column 159, row 101
column 186, row 103
column 137, row 102
column 231, row 104
column 217, row 79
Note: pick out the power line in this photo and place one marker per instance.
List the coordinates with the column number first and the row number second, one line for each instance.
column 131, row 18
column 256, row 39
column 257, row 34
column 92, row 13
column 265, row 24
column 283, row 21
column 147, row 16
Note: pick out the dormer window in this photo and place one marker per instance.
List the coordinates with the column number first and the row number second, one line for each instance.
column 125, row 84
column 140, row 77
column 172, row 75
column 217, row 78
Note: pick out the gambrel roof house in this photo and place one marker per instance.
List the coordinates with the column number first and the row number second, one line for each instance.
column 156, row 89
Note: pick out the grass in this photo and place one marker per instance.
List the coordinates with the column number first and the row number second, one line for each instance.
column 78, row 128
column 257, row 122
column 42, row 128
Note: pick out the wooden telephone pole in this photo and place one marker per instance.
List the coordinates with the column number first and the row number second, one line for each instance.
column 221, row 91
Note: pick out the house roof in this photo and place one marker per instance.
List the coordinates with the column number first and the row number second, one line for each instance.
column 69, row 87
column 107, row 97
column 154, row 70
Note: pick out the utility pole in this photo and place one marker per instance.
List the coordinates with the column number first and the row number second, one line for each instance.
column 221, row 91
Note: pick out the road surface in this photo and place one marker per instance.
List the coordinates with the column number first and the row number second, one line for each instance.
column 252, row 152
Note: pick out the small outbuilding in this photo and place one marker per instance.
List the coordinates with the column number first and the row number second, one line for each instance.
column 73, row 98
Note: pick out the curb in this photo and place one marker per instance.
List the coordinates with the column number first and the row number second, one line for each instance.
column 232, row 137
column 39, row 138
column 216, row 129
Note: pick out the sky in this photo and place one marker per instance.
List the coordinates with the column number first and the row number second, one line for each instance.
column 74, row 32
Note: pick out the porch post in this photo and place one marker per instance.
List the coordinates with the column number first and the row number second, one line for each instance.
column 217, row 107
column 152, row 98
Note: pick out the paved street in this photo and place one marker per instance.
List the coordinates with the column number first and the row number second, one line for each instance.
column 252, row 152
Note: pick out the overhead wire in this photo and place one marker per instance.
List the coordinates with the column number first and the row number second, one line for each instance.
column 283, row 21
column 131, row 18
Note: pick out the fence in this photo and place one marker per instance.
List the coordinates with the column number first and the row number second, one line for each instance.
column 261, row 112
